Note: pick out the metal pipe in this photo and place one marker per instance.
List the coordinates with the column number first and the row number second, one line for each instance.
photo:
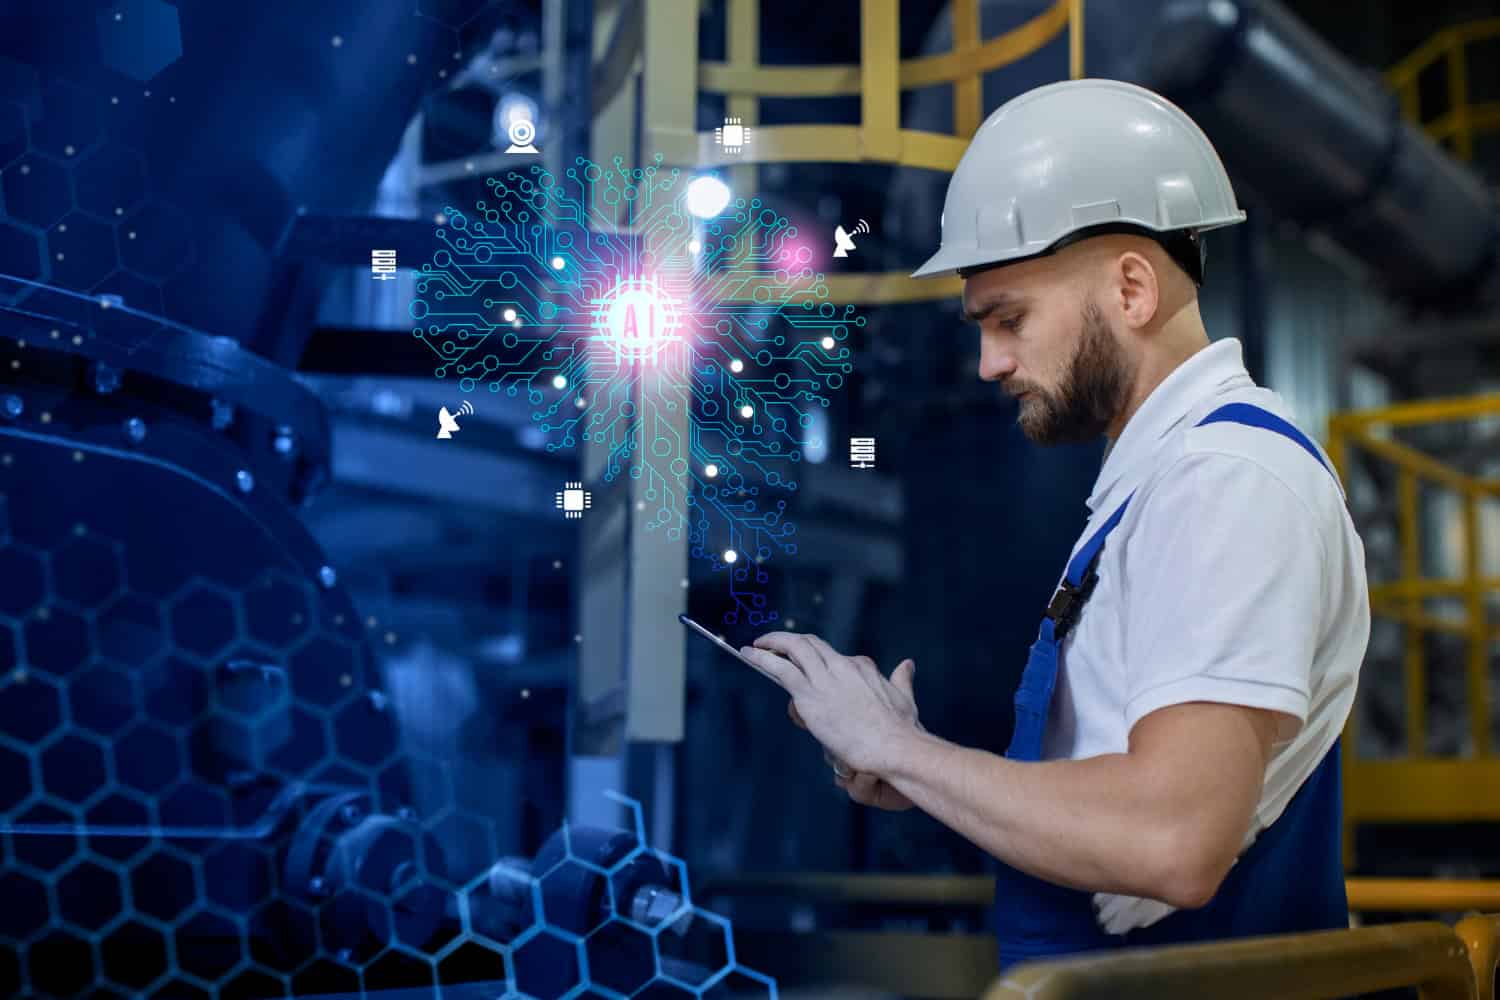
column 1323, row 143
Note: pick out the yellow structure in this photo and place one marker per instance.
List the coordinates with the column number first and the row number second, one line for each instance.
column 961, row 965
column 674, row 76
column 1481, row 937
column 1448, row 49
column 1416, row 787
column 1313, row 966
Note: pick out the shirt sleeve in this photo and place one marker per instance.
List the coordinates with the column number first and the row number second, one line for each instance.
column 1224, row 590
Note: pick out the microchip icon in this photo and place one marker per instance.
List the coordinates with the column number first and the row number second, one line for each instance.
column 733, row 135
column 573, row 500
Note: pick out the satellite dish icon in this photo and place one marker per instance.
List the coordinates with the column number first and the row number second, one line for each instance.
column 844, row 241
column 448, row 423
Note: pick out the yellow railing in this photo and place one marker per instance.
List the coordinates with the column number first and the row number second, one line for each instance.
column 1417, row 787
column 1455, row 126
column 1428, row 956
column 961, row 965
column 1481, row 937
column 674, row 77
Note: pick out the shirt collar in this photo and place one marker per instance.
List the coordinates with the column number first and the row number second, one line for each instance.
column 1184, row 387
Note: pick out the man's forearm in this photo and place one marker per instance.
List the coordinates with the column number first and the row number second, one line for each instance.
column 1088, row 824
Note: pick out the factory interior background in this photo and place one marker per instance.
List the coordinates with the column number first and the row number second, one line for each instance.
column 338, row 587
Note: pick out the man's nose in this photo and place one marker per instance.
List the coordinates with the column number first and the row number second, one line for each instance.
column 995, row 362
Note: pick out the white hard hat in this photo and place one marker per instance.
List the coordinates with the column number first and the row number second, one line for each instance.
column 1073, row 159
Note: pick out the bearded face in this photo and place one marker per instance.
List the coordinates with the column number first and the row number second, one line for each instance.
column 1091, row 392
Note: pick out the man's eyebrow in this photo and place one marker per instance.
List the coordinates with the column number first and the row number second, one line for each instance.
column 978, row 313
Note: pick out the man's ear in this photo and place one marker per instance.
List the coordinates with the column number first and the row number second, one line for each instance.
column 1138, row 286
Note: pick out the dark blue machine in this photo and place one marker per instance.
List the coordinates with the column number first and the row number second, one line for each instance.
column 204, row 787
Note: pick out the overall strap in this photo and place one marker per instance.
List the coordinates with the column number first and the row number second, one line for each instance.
column 1253, row 416
column 1039, row 678
column 1078, row 583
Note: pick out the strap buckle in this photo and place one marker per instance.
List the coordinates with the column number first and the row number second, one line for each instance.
column 1067, row 604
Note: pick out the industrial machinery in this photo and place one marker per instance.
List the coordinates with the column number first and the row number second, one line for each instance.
column 203, row 769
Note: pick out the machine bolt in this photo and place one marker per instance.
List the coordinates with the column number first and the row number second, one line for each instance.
column 653, row 904
column 315, row 885
column 285, row 442
column 406, row 813
column 327, row 577
column 223, row 414
column 244, row 480
column 350, row 813
column 13, row 406
column 135, row 429
column 378, row 700
column 106, row 379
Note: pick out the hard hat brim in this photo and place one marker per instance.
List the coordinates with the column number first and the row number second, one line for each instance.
column 948, row 260
column 952, row 260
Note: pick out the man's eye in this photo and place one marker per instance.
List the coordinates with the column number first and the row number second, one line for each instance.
column 1012, row 323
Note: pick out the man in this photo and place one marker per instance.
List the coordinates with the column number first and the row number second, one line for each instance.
column 1173, row 773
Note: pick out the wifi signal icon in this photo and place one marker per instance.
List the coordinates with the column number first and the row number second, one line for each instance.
column 863, row 227
column 467, row 408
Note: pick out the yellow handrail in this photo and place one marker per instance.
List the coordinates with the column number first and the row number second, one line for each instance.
column 1416, row 787
column 1428, row 956
column 878, row 80
column 1481, row 937
column 1463, row 118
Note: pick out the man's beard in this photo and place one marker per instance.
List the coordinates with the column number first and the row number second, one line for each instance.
column 1093, row 390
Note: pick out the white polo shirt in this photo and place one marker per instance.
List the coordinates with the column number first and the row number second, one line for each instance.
column 1235, row 576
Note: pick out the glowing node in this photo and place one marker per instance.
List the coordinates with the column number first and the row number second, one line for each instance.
column 710, row 470
column 558, row 263
column 736, row 365
column 558, row 382
column 510, row 315
column 730, row 555
column 637, row 319
column 827, row 343
column 707, row 196
column 695, row 246
column 747, row 411
column 580, row 402
column 516, row 323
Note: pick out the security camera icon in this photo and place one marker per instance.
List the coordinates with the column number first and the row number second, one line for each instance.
column 522, row 133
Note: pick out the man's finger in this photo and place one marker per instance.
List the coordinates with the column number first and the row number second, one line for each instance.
column 795, row 648
column 780, row 669
column 791, row 709
column 902, row 677
column 863, row 788
column 825, row 650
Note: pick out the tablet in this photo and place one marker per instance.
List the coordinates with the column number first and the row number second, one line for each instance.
column 839, row 768
column 726, row 647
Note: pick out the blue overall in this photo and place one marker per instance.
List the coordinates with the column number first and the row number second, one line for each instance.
column 1291, row 879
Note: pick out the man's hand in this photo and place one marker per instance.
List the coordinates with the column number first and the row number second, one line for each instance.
column 845, row 703
column 866, row 789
